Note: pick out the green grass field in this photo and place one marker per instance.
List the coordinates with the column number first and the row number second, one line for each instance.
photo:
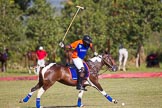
column 135, row 93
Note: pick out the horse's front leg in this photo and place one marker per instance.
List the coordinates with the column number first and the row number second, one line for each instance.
column 47, row 84
column 26, row 98
column 40, row 93
column 94, row 83
column 29, row 95
column 80, row 95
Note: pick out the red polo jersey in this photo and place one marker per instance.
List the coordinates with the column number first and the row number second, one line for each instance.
column 41, row 54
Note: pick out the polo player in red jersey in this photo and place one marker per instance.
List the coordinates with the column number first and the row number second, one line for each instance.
column 79, row 50
column 41, row 55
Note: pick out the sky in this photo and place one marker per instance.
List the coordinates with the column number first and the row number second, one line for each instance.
column 57, row 4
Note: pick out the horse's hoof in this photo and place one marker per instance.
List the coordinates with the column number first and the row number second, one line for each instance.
column 81, row 106
column 40, row 107
column 114, row 101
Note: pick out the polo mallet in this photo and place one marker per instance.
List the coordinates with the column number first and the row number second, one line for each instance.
column 79, row 7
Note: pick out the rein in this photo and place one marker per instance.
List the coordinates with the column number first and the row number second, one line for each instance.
column 102, row 72
column 106, row 62
column 95, row 67
column 96, row 64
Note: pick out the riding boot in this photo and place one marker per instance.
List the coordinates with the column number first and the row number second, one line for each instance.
column 80, row 83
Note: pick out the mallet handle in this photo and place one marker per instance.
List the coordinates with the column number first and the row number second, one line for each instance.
column 79, row 7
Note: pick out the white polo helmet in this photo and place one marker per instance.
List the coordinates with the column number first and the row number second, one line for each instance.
column 40, row 48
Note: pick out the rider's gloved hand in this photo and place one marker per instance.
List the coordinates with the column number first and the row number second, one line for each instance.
column 95, row 54
column 61, row 44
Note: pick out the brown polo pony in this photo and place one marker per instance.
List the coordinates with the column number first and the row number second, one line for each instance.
column 56, row 72
column 31, row 61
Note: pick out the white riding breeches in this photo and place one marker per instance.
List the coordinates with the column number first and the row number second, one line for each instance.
column 78, row 62
column 123, row 53
column 41, row 63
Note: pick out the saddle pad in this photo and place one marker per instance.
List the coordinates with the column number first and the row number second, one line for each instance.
column 73, row 71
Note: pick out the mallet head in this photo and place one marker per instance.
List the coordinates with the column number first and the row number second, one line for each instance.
column 80, row 7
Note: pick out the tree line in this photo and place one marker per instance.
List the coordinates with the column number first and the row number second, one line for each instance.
column 24, row 27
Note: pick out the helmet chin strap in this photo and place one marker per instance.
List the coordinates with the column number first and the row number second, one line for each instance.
column 85, row 43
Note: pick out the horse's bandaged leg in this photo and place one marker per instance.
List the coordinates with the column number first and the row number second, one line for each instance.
column 80, row 94
column 107, row 96
column 40, row 92
column 79, row 104
column 37, row 102
column 27, row 97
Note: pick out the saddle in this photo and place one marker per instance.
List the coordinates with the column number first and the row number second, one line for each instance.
column 73, row 71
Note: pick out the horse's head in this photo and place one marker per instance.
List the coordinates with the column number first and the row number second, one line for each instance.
column 104, row 59
column 108, row 60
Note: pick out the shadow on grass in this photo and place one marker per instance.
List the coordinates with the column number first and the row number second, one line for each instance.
column 70, row 106
column 73, row 106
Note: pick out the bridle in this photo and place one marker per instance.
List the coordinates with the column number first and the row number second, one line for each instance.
column 107, row 60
